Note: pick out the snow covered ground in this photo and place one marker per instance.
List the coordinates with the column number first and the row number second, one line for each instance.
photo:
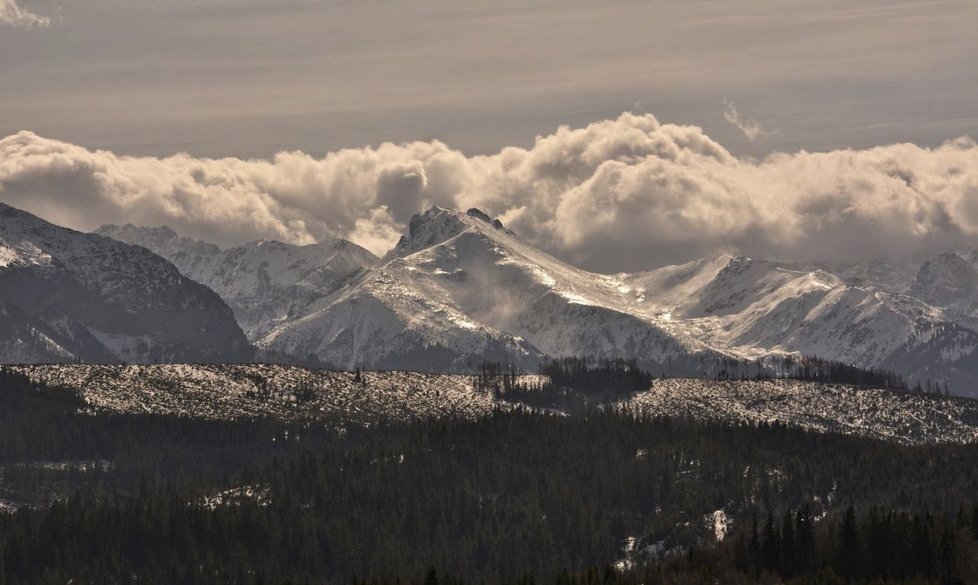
column 906, row 418
column 293, row 393
column 256, row 390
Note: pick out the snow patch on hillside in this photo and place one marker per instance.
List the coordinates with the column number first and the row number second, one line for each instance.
column 900, row 417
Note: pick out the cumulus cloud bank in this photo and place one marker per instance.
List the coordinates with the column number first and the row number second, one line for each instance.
column 12, row 14
column 620, row 194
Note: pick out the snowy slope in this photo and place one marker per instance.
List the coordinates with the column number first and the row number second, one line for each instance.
column 264, row 282
column 259, row 390
column 459, row 288
column 900, row 417
column 751, row 308
column 66, row 295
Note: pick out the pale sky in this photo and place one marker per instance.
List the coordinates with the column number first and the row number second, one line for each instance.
column 249, row 78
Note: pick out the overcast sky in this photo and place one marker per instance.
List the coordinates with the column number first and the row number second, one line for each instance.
column 617, row 135
column 252, row 77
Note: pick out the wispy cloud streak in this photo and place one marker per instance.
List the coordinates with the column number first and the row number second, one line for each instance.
column 12, row 14
column 749, row 126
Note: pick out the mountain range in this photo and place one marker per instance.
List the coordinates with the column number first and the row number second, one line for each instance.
column 460, row 289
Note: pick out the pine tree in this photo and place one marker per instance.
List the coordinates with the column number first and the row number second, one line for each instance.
column 950, row 573
column 754, row 545
column 848, row 553
column 805, row 547
column 788, row 543
column 770, row 545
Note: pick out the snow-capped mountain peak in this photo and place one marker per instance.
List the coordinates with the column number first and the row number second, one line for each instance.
column 463, row 281
column 438, row 225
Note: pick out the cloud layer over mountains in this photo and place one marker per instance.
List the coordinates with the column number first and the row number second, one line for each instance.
column 620, row 194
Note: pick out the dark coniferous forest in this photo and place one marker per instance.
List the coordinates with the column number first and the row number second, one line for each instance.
column 517, row 497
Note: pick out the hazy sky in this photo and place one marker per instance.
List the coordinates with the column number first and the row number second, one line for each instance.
column 252, row 77
column 803, row 130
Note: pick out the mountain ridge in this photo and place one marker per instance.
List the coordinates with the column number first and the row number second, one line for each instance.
column 264, row 281
column 67, row 296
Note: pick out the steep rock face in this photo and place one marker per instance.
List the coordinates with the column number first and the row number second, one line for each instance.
column 949, row 281
column 67, row 296
column 265, row 283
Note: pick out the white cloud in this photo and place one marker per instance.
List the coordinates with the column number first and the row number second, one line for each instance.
column 618, row 194
column 749, row 126
column 12, row 14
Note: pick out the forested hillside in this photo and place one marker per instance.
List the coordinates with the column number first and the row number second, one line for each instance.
column 810, row 394
column 113, row 497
